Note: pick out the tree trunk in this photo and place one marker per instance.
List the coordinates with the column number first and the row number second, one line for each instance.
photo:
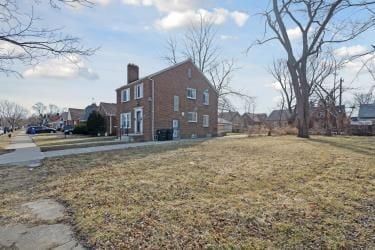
column 303, row 116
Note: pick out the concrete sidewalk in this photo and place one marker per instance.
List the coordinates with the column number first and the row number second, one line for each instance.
column 26, row 152
column 75, row 151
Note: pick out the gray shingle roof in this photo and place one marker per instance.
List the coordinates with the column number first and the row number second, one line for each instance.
column 109, row 109
column 367, row 111
column 75, row 113
column 88, row 110
column 277, row 115
column 229, row 116
column 256, row 117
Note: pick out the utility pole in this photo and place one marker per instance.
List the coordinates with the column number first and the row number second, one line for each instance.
column 340, row 106
column 340, row 97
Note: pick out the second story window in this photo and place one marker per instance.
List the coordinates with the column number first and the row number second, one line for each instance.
column 125, row 95
column 176, row 103
column 191, row 93
column 139, row 91
column 192, row 117
column 206, row 97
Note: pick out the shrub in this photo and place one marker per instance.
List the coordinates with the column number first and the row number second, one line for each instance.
column 80, row 129
column 95, row 123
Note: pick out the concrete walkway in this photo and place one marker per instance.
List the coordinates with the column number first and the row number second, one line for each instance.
column 26, row 152
column 75, row 151
column 48, row 234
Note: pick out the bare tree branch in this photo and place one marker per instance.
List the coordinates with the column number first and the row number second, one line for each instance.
column 23, row 41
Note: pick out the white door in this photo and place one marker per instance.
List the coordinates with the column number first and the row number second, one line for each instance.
column 176, row 129
column 138, row 120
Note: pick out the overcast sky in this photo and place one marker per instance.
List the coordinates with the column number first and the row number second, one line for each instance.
column 135, row 31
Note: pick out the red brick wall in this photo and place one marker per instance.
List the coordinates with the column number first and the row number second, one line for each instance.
column 167, row 85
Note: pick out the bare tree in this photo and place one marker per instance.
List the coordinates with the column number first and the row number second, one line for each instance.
column 40, row 110
column 23, row 41
column 53, row 109
column 250, row 105
column 365, row 97
column 320, row 24
column 12, row 113
column 199, row 44
column 279, row 71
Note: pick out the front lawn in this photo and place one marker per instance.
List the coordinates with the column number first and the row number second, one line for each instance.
column 58, row 141
column 5, row 141
column 264, row 192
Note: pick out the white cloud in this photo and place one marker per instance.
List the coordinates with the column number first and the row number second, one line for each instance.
column 350, row 51
column 276, row 86
column 102, row 2
column 239, row 17
column 177, row 19
column 294, row 34
column 63, row 68
column 356, row 65
column 166, row 5
column 9, row 49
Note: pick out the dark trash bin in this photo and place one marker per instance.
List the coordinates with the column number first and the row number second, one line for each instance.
column 164, row 134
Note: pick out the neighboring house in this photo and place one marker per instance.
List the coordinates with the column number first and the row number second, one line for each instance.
column 223, row 126
column 251, row 119
column 64, row 118
column 55, row 121
column 74, row 116
column 109, row 111
column 334, row 119
column 235, row 118
column 364, row 124
column 179, row 97
column 278, row 118
column 87, row 112
column 366, row 112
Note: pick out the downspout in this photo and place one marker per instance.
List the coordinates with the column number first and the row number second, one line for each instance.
column 152, row 108
column 110, row 125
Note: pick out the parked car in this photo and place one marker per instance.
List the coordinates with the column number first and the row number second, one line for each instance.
column 1, row 131
column 68, row 129
column 40, row 130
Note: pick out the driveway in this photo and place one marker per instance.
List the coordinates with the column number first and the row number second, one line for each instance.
column 26, row 152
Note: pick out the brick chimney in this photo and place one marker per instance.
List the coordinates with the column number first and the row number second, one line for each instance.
column 133, row 73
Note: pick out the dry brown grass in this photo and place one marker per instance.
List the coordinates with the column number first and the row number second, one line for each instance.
column 278, row 192
column 5, row 141
column 48, row 142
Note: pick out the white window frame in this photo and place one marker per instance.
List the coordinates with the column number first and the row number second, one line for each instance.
column 206, row 121
column 194, row 115
column 128, row 117
column 127, row 95
column 138, row 94
column 206, row 97
column 194, row 93
column 176, row 103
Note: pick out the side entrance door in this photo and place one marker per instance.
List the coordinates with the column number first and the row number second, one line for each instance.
column 176, row 129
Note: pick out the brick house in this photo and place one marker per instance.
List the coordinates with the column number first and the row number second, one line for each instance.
column 178, row 97
column 73, row 116
column 108, row 110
